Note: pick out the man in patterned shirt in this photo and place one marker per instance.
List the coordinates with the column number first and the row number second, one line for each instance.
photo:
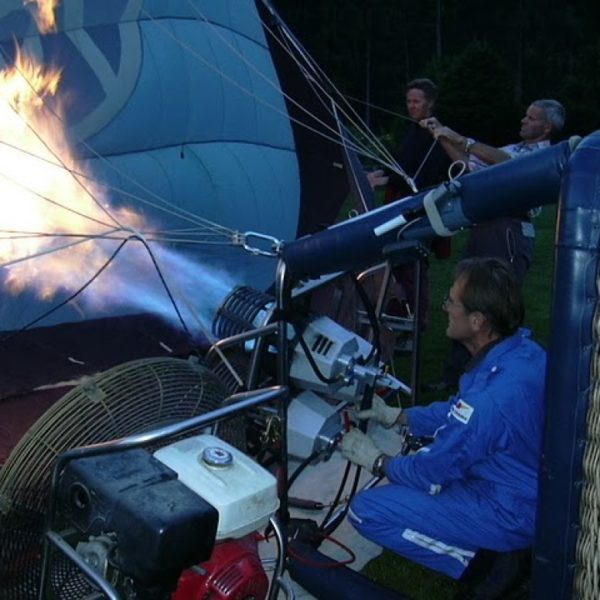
column 507, row 238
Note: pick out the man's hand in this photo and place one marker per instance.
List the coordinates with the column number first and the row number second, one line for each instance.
column 358, row 448
column 380, row 412
column 377, row 178
column 450, row 135
column 431, row 124
column 453, row 143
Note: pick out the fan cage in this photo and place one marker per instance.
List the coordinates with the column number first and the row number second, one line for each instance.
column 128, row 399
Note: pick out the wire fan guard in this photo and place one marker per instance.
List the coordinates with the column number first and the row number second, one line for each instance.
column 130, row 398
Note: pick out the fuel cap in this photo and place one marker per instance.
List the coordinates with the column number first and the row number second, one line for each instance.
column 215, row 456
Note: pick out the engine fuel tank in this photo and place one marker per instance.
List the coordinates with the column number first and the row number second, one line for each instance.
column 243, row 492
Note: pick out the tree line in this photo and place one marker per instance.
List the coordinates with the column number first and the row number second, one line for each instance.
column 490, row 60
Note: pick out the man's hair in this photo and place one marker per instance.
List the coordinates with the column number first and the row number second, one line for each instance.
column 491, row 288
column 426, row 86
column 554, row 113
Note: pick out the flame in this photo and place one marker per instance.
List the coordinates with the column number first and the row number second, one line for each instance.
column 43, row 13
column 45, row 206
column 57, row 228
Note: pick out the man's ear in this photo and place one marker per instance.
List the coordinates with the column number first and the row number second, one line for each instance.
column 478, row 320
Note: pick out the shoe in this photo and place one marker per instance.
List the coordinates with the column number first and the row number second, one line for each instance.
column 509, row 571
column 499, row 576
column 443, row 385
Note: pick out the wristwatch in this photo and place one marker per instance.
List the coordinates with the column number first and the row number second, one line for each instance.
column 377, row 468
column 469, row 144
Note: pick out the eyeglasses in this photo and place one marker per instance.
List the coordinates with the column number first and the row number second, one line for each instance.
column 448, row 302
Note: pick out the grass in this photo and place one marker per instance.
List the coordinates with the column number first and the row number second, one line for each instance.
column 389, row 569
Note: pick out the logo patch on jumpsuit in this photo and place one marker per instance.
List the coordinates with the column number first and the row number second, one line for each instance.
column 462, row 411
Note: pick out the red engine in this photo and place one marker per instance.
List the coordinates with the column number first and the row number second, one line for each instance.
column 234, row 572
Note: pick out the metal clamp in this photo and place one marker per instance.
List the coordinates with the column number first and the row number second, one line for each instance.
column 243, row 239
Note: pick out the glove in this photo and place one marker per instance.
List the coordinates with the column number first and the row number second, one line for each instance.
column 380, row 412
column 357, row 447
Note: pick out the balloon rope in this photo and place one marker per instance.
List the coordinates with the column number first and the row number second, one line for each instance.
column 169, row 209
column 386, row 159
column 335, row 137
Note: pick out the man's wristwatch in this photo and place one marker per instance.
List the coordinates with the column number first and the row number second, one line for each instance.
column 469, row 144
column 377, row 468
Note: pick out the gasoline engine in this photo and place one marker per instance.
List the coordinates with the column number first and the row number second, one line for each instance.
column 181, row 522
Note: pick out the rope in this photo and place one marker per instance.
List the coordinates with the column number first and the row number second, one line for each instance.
column 386, row 159
column 334, row 137
column 349, row 113
column 381, row 109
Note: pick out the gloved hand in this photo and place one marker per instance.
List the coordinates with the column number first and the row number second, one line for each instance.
column 381, row 413
column 357, row 447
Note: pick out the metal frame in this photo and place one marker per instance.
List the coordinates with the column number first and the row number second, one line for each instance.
column 399, row 323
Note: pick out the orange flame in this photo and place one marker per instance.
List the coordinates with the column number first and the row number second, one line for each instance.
column 43, row 13
column 45, row 207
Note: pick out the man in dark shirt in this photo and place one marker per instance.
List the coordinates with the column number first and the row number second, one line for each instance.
column 426, row 163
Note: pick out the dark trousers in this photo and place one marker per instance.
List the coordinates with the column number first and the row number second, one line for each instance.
column 508, row 239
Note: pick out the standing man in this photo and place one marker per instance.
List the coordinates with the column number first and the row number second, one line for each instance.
column 475, row 486
column 508, row 238
column 426, row 163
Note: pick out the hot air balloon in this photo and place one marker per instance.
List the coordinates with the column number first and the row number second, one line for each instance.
column 181, row 144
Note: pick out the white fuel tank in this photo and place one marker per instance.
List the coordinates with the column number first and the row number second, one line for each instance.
column 243, row 492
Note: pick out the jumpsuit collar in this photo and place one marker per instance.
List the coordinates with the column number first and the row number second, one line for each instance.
column 497, row 347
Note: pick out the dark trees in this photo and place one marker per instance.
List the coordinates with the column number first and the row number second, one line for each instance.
column 490, row 59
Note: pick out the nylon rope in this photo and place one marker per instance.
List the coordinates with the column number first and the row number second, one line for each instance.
column 390, row 161
column 332, row 138
column 386, row 159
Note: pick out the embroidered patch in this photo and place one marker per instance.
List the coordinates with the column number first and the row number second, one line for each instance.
column 462, row 411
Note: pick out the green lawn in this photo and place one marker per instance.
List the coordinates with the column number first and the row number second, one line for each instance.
column 389, row 569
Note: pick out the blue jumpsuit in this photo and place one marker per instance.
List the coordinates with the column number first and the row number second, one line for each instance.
column 476, row 485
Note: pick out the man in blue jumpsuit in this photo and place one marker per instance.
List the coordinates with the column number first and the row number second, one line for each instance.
column 475, row 486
